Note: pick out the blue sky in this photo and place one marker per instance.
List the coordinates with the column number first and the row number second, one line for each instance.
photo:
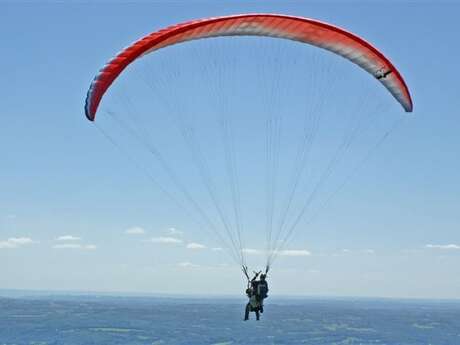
column 68, row 198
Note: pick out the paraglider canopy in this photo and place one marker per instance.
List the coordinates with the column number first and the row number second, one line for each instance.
column 300, row 29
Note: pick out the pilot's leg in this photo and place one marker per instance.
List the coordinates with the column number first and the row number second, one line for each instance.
column 246, row 312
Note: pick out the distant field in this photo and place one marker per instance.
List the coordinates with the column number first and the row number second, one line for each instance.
column 85, row 320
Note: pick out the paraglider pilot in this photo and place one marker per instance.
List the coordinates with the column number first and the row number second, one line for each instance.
column 257, row 291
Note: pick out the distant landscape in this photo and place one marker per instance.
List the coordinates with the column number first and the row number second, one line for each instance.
column 68, row 318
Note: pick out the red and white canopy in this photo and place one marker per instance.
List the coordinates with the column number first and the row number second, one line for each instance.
column 299, row 29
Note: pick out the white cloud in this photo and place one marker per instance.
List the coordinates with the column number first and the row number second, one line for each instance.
column 187, row 264
column 165, row 240
column 294, row 252
column 75, row 246
column 11, row 216
column 287, row 252
column 175, row 232
column 67, row 246
column 6, row 244
column 68, row 238
column 369, row 251
column 15, row 242
column 136, row 230
column 20, row 240
column 252, row 251
column 342, row 252
column 443, row 246
column 194, row 245
column 216, row 249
